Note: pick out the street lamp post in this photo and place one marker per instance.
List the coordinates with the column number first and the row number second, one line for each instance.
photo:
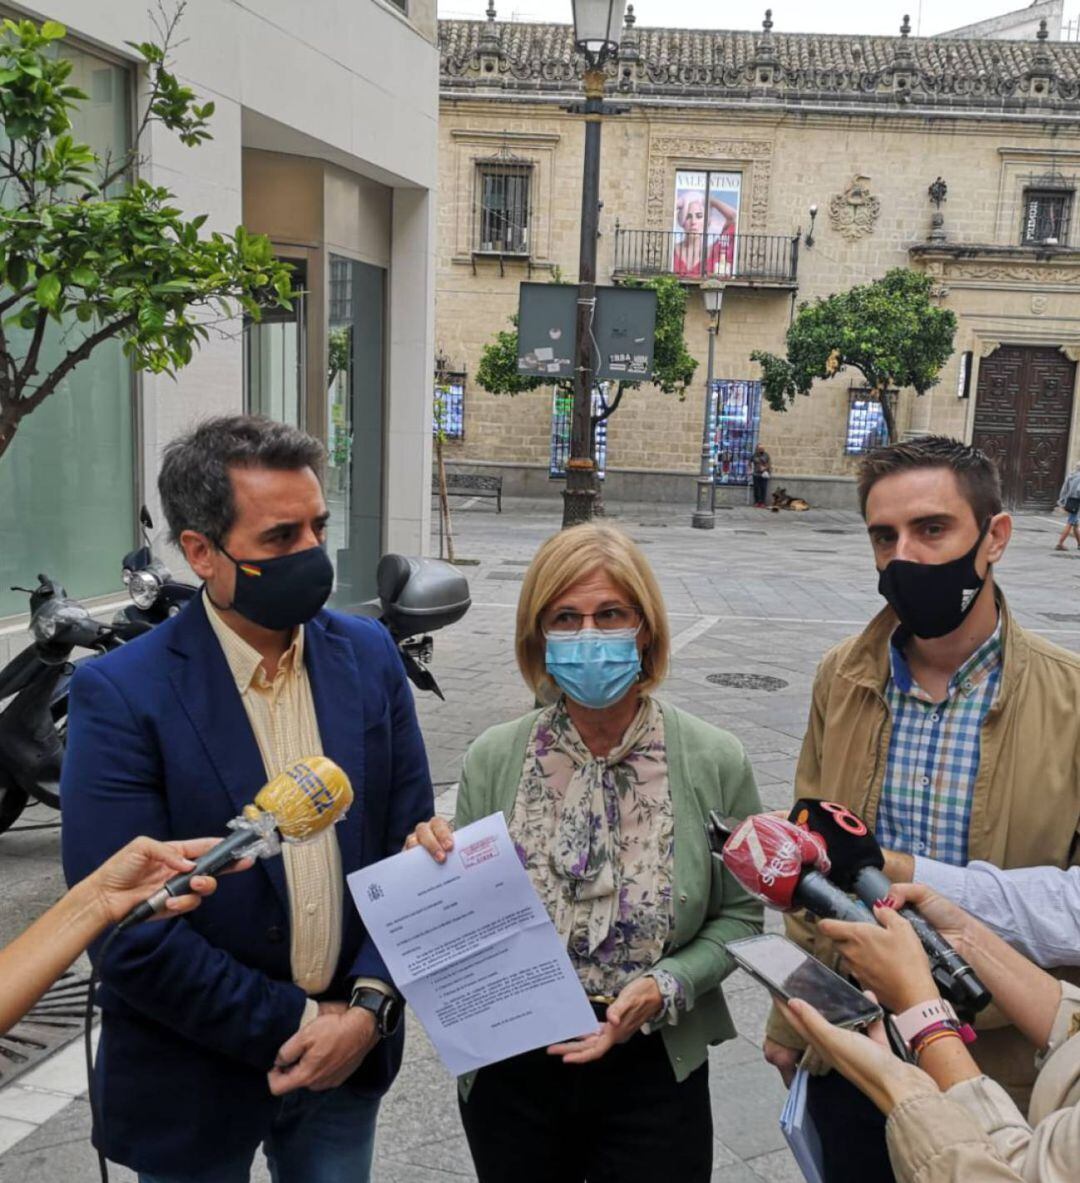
column 596, row 34
column 712, row 292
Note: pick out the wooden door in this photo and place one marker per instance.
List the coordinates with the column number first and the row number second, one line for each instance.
column 1022, row 417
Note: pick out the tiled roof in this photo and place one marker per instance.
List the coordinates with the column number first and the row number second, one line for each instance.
column 781, row 67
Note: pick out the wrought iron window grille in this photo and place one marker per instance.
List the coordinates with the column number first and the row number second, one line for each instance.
column 450, row 415
column 562, row 408
column 866, row 427
column 1048, row 202
column 502, row 212
column 734, row 418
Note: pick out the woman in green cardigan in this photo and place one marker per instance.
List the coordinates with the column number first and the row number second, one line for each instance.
column 606, row 793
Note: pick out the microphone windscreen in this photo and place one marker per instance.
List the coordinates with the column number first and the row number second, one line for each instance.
column 308, row 797
column 846, row 836
column 768, row 854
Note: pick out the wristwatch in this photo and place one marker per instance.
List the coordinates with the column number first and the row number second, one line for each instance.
column 916, row 1019
column 384, row 1004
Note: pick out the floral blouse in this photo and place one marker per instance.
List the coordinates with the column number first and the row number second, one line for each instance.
column 597, row 838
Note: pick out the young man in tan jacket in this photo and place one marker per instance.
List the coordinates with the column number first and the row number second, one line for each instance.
column 945, row 725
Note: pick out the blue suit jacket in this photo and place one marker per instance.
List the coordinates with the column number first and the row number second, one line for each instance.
column 194, row 1009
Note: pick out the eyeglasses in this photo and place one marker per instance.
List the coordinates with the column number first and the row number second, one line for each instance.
column 618, row 616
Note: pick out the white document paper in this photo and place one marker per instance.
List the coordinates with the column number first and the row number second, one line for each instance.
column 469, row 944
column 799, row 1130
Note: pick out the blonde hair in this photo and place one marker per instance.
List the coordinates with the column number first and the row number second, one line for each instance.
column 565, row 559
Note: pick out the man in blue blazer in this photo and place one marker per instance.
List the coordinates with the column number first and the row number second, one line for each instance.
column 267, row 1016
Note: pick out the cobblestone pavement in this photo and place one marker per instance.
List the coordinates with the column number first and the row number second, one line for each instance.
column 762, row 594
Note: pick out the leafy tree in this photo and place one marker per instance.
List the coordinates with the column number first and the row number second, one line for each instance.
column 890, row 330
column 673, row 367
column 88, row 252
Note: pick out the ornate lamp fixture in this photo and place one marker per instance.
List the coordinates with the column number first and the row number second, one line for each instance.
column 597, row 28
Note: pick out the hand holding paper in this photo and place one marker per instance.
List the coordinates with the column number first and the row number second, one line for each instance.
column 469, row 944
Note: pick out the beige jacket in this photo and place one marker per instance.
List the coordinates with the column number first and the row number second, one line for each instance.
column 1026, row 805
column 975, row 1134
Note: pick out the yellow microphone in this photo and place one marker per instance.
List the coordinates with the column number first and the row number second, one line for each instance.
column 307, row 798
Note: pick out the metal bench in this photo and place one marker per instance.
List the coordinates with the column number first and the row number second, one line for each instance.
column 467, row 484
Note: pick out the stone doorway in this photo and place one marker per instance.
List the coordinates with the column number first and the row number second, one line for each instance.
column 1022, row 417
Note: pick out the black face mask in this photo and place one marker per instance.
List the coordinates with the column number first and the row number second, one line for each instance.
column 283, row 592
column 933, row 599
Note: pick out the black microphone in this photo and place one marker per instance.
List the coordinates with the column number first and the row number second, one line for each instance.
column 773, row 860
column 857, row 862
column 304, row 800
column 229, row 850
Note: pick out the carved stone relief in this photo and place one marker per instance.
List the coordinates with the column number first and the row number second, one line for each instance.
column 854, row 212
column 1013, row 274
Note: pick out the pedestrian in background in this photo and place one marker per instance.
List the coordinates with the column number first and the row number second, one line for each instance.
column 1069, row 500
column 762, row 465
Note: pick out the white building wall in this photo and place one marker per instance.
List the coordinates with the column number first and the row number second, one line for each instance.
column 351, row 82
column 1021, row 25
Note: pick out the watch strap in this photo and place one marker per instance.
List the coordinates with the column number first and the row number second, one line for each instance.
column 916, row 1019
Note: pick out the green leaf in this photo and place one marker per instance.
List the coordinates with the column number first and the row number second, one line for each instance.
column 53, row 31
column 85, row 277
column 48, row 290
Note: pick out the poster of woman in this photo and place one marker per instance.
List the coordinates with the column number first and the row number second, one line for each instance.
column 705, row 224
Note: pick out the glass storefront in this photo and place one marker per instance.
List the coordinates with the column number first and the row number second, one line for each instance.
column 354, row 416
column 276, row 362
column 276, row 357
column 67, row 481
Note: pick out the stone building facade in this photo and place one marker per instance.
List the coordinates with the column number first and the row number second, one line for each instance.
column 858, row 128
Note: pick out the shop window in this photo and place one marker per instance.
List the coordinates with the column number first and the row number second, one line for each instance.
column 1046, row 216
column 502, row 211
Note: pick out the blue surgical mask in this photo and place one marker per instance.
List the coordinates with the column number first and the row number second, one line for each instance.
column 593, row 667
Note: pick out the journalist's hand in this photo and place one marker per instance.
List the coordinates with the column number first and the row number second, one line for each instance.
column 783, row 1058
column 326, row 1052
column 139, row 869
column 864, row 1059
column 435, row 836
column 955, row 925
column 888, row 959
column 636, row 1004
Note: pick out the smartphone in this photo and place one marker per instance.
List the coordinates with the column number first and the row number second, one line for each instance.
column 790, row 972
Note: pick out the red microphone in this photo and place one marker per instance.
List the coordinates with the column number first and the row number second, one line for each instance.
column 785, row 867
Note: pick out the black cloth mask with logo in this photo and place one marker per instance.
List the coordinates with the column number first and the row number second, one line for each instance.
column 283, row 592
column 933, row 599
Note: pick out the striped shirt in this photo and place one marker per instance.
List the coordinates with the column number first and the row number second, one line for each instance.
column 934, row 752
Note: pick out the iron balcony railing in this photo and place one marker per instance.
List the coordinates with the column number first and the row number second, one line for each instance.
column 750, row 258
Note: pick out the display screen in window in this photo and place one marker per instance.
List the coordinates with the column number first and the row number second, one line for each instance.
column 705, row 223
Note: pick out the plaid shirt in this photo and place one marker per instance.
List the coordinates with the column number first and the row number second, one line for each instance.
column 934, row 754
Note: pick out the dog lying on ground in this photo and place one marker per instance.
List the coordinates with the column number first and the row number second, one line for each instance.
column 781, row 500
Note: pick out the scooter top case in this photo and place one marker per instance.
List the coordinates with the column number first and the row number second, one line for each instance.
column 420, row 595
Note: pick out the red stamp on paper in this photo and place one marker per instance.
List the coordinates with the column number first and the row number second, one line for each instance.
column 481, row 851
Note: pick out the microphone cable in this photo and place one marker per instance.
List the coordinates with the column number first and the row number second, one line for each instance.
column 88, row 1050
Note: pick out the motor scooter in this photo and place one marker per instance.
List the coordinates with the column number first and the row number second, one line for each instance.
column 33, row 724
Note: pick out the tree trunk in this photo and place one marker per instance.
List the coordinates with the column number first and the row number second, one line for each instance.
column 444, row 501
column 889, row 417
column 9, row 424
